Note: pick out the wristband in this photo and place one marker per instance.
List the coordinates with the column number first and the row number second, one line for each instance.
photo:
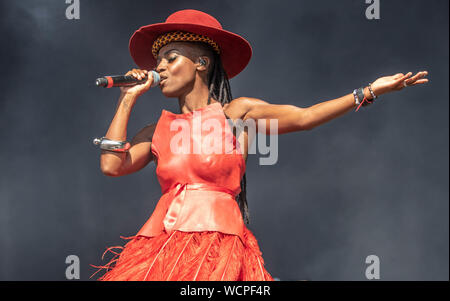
column 360, row 93
column 371, row 92
column 356, row 97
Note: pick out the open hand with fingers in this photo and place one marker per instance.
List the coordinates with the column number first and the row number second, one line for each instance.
column 397, row 82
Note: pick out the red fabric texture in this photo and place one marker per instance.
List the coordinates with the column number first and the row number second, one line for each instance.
column 198, row 189
column 188, row 256
column 196, row 231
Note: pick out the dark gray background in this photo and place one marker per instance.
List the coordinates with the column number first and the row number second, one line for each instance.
column 370, row 182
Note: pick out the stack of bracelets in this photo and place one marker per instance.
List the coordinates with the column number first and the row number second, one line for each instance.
column 360, row 99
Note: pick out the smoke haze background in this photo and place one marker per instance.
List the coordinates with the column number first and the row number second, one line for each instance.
column 370, row 182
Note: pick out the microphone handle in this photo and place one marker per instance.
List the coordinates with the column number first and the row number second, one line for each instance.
column 127, row 80
column 124, row 80
column 118, row 81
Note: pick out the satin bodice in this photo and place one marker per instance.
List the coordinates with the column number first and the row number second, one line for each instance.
column 199, row 168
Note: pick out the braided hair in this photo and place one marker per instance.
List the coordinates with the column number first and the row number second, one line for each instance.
column 219, row 88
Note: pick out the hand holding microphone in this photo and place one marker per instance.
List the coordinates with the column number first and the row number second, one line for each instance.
column 135, row 81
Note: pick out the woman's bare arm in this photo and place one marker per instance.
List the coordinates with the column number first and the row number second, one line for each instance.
column 292, row 118
column 122, row 163
column 137, row 157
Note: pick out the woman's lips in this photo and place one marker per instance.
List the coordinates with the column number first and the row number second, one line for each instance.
column 162, row 82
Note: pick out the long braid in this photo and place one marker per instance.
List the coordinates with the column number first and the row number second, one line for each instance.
column 219, row 88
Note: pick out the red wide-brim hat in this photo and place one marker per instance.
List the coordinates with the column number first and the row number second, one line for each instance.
column 235, row 51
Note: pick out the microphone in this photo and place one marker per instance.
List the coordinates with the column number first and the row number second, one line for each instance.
column 125, row 80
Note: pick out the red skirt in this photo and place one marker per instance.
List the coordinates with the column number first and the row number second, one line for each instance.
column 187, row 256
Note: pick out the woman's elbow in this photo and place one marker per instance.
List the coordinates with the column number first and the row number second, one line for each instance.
column 302, row 119
column 110, row 166
column 109, row 170
column 304, row 122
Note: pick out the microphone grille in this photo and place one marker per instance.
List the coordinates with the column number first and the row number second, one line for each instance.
column 156, row 78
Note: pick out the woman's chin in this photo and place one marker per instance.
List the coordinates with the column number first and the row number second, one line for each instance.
column 168, row 93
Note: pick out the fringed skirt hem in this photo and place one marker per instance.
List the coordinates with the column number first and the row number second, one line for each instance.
column 187, row 256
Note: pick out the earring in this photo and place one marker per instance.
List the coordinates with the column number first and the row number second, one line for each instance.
column 202, row 61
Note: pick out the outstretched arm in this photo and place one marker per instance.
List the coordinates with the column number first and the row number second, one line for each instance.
column 292, row 118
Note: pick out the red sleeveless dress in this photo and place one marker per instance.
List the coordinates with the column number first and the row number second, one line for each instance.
column 196, row 231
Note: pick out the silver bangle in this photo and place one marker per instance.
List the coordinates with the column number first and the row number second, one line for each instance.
column 355, row 95
column 112, row 145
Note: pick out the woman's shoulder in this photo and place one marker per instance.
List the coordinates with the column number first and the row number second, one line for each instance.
column 238, row 107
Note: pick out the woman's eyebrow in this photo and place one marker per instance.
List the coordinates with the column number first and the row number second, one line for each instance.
column 158, row 57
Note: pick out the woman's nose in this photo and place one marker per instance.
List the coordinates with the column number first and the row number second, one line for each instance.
column 159, row 68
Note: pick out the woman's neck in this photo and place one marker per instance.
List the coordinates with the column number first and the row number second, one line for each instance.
column 196, row 98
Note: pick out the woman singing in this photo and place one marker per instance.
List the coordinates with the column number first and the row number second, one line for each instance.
column 197, row 229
